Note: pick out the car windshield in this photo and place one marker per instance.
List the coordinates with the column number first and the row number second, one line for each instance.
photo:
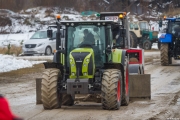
column 39, row 35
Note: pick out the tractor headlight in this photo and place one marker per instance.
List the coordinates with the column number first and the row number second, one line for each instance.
column 73, row 73
column 85, row 73
column 87, row 60
column 72, row 65
column 71, row 60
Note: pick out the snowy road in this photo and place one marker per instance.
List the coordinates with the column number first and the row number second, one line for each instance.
column 164, row 103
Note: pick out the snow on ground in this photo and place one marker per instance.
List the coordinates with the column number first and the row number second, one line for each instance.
column 8, row 63
column 14, row 39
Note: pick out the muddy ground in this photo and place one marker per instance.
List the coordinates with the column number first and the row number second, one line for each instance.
column 19, row 87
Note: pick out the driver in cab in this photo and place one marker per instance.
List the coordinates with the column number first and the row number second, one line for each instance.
column 88, row 38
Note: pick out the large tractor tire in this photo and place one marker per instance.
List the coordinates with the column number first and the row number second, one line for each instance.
column 111, row 91
column 133, row 40
column 51, row 99
column 67, row 100
column 147, row 45
column 164, row 55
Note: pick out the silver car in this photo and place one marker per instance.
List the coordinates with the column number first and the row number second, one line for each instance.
column 39, row 43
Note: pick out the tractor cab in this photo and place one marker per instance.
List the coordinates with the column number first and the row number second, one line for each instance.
column 120, row 30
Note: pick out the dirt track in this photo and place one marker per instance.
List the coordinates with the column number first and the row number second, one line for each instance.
column 164, row 103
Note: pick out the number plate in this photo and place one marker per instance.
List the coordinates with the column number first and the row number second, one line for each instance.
column 114, row 18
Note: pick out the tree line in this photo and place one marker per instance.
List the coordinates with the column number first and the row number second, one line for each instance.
column 82, row 5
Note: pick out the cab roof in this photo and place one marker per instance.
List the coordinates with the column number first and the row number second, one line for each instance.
column 94, row 22
column 173, row 19
column 111, row 13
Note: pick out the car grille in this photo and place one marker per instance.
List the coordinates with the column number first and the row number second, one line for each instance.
column 30, row 52
column 30, row 45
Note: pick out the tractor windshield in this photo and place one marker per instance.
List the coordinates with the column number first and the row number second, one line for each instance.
column 174, row 28
column 143, row 25
column 83, row 36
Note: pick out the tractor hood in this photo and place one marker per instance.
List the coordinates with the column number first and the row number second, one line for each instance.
column 82, row 63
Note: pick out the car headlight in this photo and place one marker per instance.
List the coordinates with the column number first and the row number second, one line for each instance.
column 40, row 44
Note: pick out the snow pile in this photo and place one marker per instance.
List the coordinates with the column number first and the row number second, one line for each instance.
column 14, row 39
column 8, row 63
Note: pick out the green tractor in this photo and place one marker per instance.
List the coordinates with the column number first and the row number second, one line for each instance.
column 113, row 73
column 142, row 34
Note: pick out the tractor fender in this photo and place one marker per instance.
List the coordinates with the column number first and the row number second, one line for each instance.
column 165, row 38
column 134, row 69
column 58, row 57
column 114, row 66
column 54, row 58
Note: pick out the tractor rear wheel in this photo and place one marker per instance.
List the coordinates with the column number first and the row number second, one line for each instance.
column 51, row 99
column 67, row 100
column 164, row 55
column 111, row 91
column 133, row 40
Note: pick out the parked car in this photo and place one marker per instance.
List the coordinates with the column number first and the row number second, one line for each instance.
column 40, row 44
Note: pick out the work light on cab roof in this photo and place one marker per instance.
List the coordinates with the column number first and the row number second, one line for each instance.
column 165, row 17
column 122, row 15
column 58, row 17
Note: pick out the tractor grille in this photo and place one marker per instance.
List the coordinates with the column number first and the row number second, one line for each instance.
column 79, row 58
column 30, row 45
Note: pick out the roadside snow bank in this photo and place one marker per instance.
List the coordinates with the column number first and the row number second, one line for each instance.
column 8, row 63
column 14, row 39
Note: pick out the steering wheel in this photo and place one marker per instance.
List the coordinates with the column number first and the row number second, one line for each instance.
column 85, row 46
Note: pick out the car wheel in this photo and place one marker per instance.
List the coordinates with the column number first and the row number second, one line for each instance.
column 48, row 51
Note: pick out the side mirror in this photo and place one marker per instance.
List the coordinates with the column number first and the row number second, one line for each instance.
column 166, row 30
column 160, row 23
column 49, row 33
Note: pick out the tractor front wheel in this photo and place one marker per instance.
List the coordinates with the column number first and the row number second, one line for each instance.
column 67, row 100
column 51, row 99
column 111, row 91
column 164, row 54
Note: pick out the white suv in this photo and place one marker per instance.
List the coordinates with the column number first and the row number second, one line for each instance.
column 39, row 43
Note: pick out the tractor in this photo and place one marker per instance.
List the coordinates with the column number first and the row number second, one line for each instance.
column 170, row 41
column 112, row 72
column 141, row 33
